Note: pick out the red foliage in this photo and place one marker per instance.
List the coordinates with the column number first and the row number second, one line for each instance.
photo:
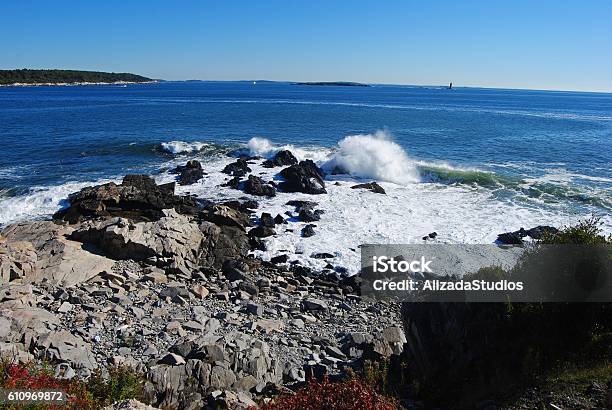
column 351, row 394
column 28, row 377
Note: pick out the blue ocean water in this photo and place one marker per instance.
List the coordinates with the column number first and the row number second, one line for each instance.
column 552, row 147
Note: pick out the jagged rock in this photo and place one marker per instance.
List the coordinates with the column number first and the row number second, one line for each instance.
column 174, row 291
column 138, row 198
column 37, row 251
column 302, row 205
column 394, row 334
column 233, row 183
column 281, row 158
column 155, row 276
column 222, row 243
column 249, row 288
column 538, row 231
column 63, row 347
column 222, row 378
column 304, row 177
column 314, row 304
column 516, row 237
column 173, row 236
column 278, row 219
column 224, row 215
column 256, row 186
column 237, row 169
column 306, row 215
column 308, row 231
column 246, row 206
column 267, row 220
column 257, row 244
column 18, row 259
column 255, row 309
column 200, row 291
column 172, row 360
column 371, row 186
column 189, row 173
column 510, row 238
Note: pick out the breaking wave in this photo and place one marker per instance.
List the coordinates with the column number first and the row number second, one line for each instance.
column 373, row 156
column 182, row 147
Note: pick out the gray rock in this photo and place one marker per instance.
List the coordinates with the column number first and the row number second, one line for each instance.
column 173, row 237
column 255, row 309
column 313, row 304
column 222, row 378
column 41, row 251
column 172, row 359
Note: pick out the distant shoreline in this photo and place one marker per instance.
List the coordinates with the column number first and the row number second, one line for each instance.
column 73, row 84
column 334, row 83
column 26, row 77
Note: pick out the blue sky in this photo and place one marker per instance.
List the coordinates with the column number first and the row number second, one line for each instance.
column 541, row 44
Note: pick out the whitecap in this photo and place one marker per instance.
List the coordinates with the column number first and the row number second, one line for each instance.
column 182, row 147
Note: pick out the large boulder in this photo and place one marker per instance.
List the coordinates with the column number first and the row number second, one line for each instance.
column 41, row 251
column 190, row 173
column 222, row 243
column 224, row 215
column 138, row 197
column 304, row 177
column 174, row 238
column 256, row 186
column 281, row 158
column 237, row 169
column 62, row 346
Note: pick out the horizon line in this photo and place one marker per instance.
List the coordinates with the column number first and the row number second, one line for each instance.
column 334, row 81
column 396, row 84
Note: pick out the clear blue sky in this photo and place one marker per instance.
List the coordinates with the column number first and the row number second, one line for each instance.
column 542, row 44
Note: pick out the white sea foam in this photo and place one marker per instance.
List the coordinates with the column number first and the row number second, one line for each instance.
column 263, row 147
column 458, row 213
column 40, row 202
column 374, row 156
column 182, row 147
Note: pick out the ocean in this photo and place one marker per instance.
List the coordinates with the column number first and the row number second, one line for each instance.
column 466, row 163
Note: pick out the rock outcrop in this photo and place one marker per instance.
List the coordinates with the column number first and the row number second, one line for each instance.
column 37, row 251
column 237, row 169
column 281, row 158
column 516, row 237
column 256, row 186
column 190, row 173
column 138, row 198
column 173, row 239
column 304, row 177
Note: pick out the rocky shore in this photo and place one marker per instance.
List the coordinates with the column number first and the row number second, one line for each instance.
column 132, row 274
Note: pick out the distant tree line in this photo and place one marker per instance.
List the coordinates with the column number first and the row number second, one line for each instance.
column 65, row 76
